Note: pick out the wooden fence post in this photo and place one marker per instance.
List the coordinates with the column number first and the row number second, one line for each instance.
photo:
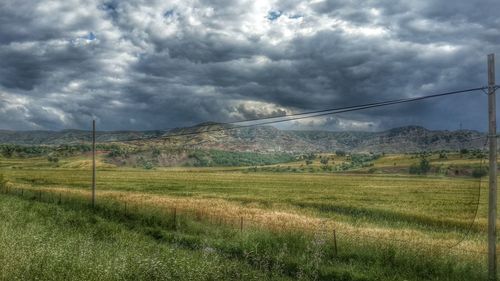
column 93, row 163
column 175, row 218
column 335, row 243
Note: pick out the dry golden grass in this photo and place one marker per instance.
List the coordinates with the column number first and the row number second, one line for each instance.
column 86, row 164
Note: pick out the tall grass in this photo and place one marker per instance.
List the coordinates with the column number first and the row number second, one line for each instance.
column 62, row 240
column 40, row 241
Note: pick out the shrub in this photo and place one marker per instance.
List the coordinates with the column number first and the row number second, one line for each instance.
column 148, row 165
column 340, row 153
column 414, row 169
column 3, row 181
column 208, row 158
column 310, row 156
column 7, row 151
column 425, row 166
column 479, row 172
column 117, row 151
column 422, row 168
column 52, row 159
column 156, row 152
column 324, row 160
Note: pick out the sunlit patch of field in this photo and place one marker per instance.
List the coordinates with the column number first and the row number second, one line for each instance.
column 279, row 220
column 315, row 163
column 405, row 160
column 438, row 207
column 86, row 164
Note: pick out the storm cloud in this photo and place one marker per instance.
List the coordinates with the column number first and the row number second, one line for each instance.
column 140, row 65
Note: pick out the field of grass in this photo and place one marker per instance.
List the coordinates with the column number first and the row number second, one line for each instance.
column 40, row 241
column 388, row 226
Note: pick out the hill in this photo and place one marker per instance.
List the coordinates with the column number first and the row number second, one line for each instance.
column 270, row 139
column 71, row 136
column 265, row 139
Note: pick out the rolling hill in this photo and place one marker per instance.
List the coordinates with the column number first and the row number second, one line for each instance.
column 264, row 139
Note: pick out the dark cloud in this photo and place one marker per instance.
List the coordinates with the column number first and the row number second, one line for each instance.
column 162, row 64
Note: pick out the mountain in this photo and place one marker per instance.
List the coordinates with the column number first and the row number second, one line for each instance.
column 71, row 136
column 270, row 139
column 265, row 139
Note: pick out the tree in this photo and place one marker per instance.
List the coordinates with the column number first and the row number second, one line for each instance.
column 8, row 151
column 311, row 156
column 479, row 172
column 422, row 168
column 324, row 160
column 340, row 153
column 425, row 166
column 52, row 159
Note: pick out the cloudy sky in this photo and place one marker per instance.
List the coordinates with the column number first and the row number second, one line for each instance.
column 143, row 65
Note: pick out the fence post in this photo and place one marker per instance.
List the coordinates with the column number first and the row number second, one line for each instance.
column 60, row 199
column 335, row 243
column 241, row 224
column 175, row 218
column 93, row 163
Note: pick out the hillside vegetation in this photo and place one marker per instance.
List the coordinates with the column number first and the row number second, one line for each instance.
column 264, row 139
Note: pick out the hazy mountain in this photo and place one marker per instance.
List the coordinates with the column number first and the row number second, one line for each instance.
column 71, row 136
column 265, row 139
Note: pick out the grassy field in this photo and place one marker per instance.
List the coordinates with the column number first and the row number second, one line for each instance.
column 388, row 226
column 49, row 242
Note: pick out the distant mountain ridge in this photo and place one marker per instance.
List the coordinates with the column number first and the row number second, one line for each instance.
column 265, row 139
column 71, row 136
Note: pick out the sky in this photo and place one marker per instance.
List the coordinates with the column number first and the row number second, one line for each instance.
column 144, row 65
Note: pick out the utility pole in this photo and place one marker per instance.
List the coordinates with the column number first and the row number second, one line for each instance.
column 492, row 199
column 93, row 163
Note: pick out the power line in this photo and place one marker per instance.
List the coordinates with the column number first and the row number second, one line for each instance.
column 354, row 106
column 311, row 114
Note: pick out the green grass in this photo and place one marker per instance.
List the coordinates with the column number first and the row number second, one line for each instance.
column 389, row 226
column 325, row 195
column 40, row 241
